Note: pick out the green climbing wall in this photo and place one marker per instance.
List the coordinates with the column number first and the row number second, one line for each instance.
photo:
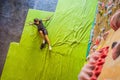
column 69, row 32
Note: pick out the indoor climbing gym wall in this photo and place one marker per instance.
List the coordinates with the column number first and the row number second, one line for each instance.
column 69, row 32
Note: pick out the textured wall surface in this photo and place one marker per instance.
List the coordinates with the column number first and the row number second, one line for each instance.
column 12, row 17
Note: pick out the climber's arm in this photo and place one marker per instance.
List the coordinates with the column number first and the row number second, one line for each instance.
column 47, row 19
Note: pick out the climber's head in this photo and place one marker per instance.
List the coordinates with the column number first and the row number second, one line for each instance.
column 36, row 21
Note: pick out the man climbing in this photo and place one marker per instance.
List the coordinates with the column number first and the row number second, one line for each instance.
column 43, row 32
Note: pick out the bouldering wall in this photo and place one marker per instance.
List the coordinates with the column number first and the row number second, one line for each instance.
column 69, row 32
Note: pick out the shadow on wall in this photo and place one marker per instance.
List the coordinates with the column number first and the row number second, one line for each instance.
column 12, row 17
